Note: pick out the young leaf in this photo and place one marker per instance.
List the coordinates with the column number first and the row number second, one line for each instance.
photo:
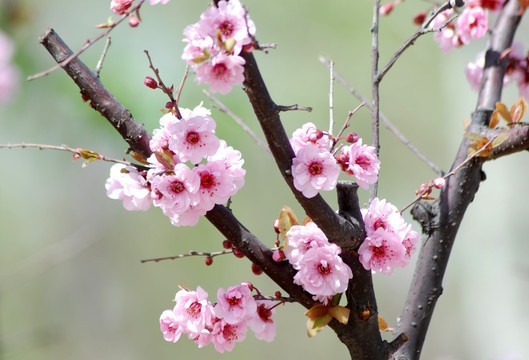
column 382, row 324
column 317, row 311
column 504, row 112
column 340, row 313
column 285, row 221
column 494, row 119
column 314, row 326
column 498, row 140
column 518, row 110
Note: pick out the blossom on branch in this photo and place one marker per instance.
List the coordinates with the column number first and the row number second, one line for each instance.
column 361, row 162
column 126, row 183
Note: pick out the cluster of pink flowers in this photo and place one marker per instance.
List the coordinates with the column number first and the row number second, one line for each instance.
column 472, row 23
column 517, row 70
column 9, row 73
column 120, row 7
column 215, row 42
column 178, row 183
column 223, row 324
column 390, row 242
column 315, row 168
column 321, row 270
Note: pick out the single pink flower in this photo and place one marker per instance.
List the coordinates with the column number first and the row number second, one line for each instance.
column 170, row 327
column 382, row 251
column 322, row 272
column 224, row 335
column 261, row 322
column 119, row 7
column 233, row 162
column 235, row 305
column 309, row 134
column 473, row 23
column 314, row 169
column 222, row 73
column 447, row 37
column 382, row 214
column 193, row 138
column 216, row 184
column 474, row 71
column 190, row 217
column 301, row 238
column 362, row 162
column 193, row 310
column 127, row 184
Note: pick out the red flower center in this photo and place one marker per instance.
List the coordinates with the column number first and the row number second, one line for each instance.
column 315, row 168
column 178, row 187
column 207, row 181
column 192, row 137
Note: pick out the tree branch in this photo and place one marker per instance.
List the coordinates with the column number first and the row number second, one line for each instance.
column 442, row 219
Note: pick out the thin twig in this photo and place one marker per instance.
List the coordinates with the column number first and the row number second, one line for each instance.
column 191, row 253
column 273, row 298
column 386, row 122
column 181, row 86
column 165, row 89
column 375, row 91
column 331, row 97
column 423, row 29
column 346, row 124
column 238, row 120
column 294, row 107
column 85, row 47
column 85, row 154
column 102, row 58
column 451, row 173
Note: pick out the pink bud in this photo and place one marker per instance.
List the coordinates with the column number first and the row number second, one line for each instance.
column 439, row 183
column 133, row 21
column 386, row 9
column 276, row 226
column 208, row 260
column 248, row 284
column 278, row 294
column 150, row 82
column 419, row 18
column 343, row 161
column 226, row 244
column 256, row 269
column 237, row 253
column 352, row 138
column 424, row 188
column 278, row 256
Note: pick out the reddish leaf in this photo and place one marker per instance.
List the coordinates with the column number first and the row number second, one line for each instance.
column 518, row 109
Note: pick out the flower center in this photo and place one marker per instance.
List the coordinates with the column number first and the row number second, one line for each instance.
column 324, row 268
column 378, row 251
column 363, row 162
column 234, row 301
column 226, row 28
column 379, row 223
column 315, row 168
column 194, row 309
column 229, row 333
column 220, row 70
column 178, row 187
column 207, row 181
column 192, row 137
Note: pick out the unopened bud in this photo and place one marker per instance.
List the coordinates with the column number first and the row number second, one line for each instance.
column 419, row 18
column 133, row 21
column 208, row 260
column 237, row 253
column 248, row 284
column 343, row 161
column 256, row 269
column 352, row 138
column 439, row 182
column 278, row 256
column 386, row 9
column 150, row 82
column 226, row 244
column 276, row 226
column 278, row 294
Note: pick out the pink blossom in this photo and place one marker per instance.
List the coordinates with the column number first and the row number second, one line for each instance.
column 309, row 134
column 127, row 184
column 176, row 192
column 228, row 21
column 301, row 238
column 409, row 240
column 170, row 327
column 439, row 182
column 119, row 7
column 224, row 335
column 474, row 71
column 190, row 217
column 155, row 2
column 382, row 214
column 473, row 23
column 199, row 47
column 222, row 73
column 235, row 304
column 322, row 272
column 233, row 162
column 382, row 251
column 314, row 169
column 447, row 37
column 9, row 73
column 193, row 138
column 261, row 321
column 216, row 184
column 193, row 310
column 362, row 162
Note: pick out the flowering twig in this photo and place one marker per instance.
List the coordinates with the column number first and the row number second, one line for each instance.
column 181, row 87
column 386, row 121
column 85, row 47
column 78, row 152
column 191, row 253
column 451, row 173
column 102, row 58
column 375, row 91
column 345, row 126
column 238, row 120
column 165, row 89
column 331, row 98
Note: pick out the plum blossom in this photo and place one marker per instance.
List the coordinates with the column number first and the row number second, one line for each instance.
column 120, row 7
column 314, row 169
column 309, row 134
column 473, row 23
column 323, row 273
column 224, row 335
column 128, row 184
column 261, row 322
column 390, row 242
column 447, row 37
column 170, row 327
column 156, row 2
column 193, row 138
column 474, row 71
column 216, row 184
column 381, row 251
column 233, row 162
column 362, row 162
column 235, row 304
column 222, row 73
column 301, row 238
column 193, row 310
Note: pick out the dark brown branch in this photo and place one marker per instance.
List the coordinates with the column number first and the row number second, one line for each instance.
column 441, row 220
column 101, row 99
column 337, row 229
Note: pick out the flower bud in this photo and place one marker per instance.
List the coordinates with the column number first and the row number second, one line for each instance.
column 208, row 260
column 256, row 269
column 352, row 138
column 419, row 18
column 276, row 226
column 439, row 182
column 150, row 82
column 226, row 244
column 386, row 9
column 278, row 294
column 133, row 21
column 237, row 253
column 278, row 256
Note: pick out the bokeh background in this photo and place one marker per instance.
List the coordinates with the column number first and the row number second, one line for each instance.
column 71, row 282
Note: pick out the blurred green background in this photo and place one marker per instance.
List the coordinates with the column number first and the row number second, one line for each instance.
column 71, row 282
